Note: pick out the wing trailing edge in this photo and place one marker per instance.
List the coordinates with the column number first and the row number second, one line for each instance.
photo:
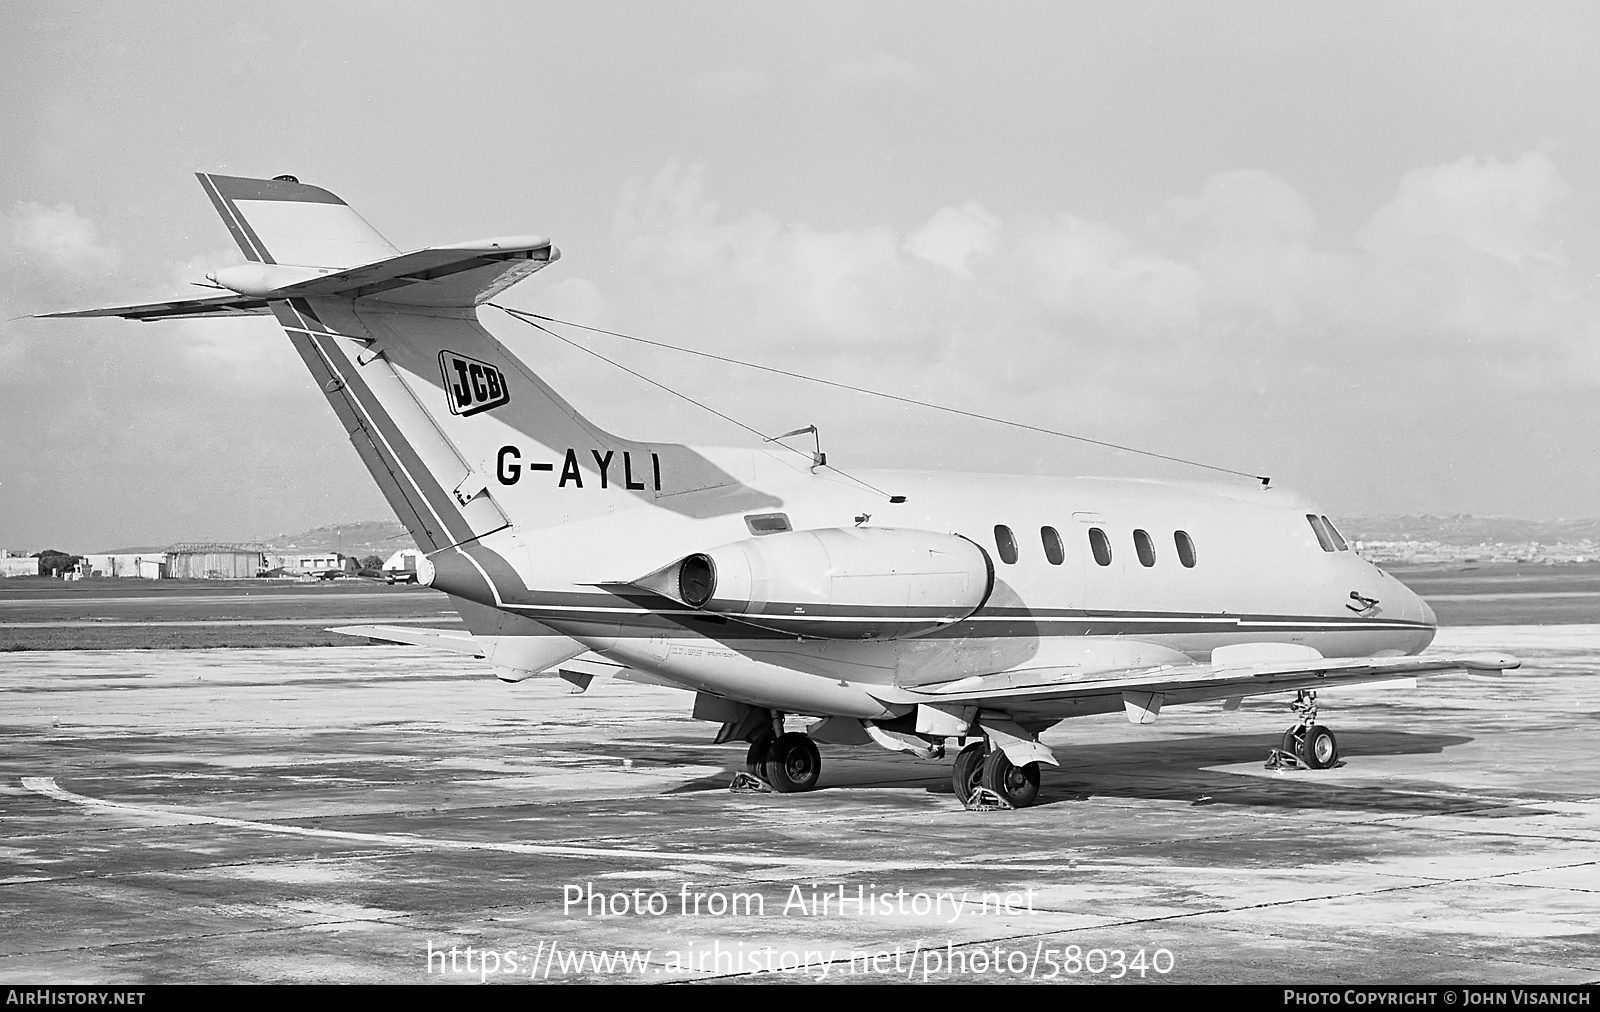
column 1187, row 683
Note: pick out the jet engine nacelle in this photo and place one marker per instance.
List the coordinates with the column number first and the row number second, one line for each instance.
column 835, row 583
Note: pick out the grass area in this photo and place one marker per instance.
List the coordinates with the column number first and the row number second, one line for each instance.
column 39, row 613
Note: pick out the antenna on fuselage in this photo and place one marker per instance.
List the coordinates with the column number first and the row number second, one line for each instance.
column 818, row 458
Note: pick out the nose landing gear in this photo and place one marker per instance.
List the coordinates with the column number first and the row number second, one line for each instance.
column 1306, row 745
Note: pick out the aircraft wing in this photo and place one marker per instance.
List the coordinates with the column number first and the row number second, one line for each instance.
column 580, row 671
column 1053, row 693
column 178, row 309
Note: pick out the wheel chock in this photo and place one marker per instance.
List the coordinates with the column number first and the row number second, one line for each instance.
column 745, row 783
column 985, row 800
column 1278, row 759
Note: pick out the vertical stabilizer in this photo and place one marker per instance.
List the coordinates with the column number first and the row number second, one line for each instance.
column 462, row 437
column 282, row 221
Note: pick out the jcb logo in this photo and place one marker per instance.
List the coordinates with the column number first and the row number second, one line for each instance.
column 471, row 386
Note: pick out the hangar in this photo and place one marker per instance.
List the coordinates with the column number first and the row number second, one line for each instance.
column 206, row 561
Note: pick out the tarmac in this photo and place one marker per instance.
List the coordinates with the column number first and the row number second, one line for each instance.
column 367, row 815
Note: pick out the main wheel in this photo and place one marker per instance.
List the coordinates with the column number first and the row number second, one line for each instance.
column 793, row 763
column 755, row 760
column 967, row 773
column 1017, row 784
column 1319, row 749
column 1291, row 740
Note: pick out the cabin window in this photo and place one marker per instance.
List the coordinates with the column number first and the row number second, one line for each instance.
column 1185, row 545
column 1146, row 549
column 1338, row 540
column 1324, row 538
column 1052, row 546
column 1006, row 543
column 1100, row 545
column 767, row 523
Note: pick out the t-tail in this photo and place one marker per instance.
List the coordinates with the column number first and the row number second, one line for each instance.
column 462, row 437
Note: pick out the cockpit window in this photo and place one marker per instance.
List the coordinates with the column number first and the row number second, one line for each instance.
column 767, row 523
column 1007, row 544
column 1052, row 545
column 1324, row 538
column 1338, row 540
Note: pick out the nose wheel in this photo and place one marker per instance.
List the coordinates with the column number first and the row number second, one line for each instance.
column 1306, row 745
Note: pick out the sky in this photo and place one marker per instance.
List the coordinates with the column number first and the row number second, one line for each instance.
column 1351, row 246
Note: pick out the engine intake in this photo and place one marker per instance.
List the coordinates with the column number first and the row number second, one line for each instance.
column 835, row 583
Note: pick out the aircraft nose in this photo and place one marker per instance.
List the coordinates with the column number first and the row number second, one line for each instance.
column 1427, row 613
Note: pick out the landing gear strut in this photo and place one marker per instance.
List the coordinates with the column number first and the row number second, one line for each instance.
column 985, row 780
column 1306, row 745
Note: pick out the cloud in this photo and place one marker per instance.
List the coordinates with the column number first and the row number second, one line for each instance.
column 1226, row 325
column 1494, row 208
column 57, row 239
column 1245, row 208
column 955, row 235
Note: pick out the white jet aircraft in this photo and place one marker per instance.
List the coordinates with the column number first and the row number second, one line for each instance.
column 979, row 608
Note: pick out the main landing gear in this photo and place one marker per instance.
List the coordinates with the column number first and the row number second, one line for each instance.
column 1306, row 745
column 986, row 781
column 786, row 763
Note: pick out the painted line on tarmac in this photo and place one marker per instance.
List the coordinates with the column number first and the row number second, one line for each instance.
column 47, row 787
column 1514, row 595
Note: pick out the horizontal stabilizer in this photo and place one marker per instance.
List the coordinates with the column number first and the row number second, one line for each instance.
column 462, row 274
column 179, row 309
column 465, row 274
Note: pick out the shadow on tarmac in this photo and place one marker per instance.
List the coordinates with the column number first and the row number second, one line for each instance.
column 1181, row 769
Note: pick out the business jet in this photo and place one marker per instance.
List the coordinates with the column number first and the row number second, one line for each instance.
column 903, row 609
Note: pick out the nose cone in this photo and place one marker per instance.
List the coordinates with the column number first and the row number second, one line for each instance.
column 1418, row 610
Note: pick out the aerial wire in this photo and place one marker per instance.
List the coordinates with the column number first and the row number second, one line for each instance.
column 530, row 318
column 699, row 404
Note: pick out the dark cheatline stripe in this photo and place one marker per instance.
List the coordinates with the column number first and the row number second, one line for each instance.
column 367, row 403
column 407, row 500
column 666, row 617
column 626, row 602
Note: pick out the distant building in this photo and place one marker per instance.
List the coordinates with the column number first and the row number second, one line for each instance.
column 306, row 560
column 214, row 562
column 128, row 565
column 18, row 565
